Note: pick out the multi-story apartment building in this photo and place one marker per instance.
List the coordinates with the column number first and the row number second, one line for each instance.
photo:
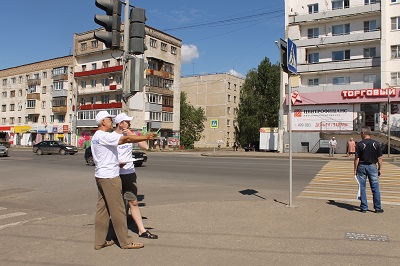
column 98, row 77
column 37, row 101
column 348, row 63
column 219, row 96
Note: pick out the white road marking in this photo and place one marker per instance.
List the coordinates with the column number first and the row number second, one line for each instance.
column 10, row 215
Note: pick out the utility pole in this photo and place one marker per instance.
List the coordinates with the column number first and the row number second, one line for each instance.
column 126, row 68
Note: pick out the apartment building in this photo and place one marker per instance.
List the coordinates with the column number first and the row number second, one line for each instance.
column 37, row 101
column 98, row 77
column 219, row 96
column 348, row 62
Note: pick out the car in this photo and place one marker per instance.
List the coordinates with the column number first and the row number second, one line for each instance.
column 53, row 146
column 3, row 151
column 140, row 157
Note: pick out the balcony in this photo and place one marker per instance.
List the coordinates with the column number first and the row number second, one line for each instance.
column 332, row 14
column 159, row 90
column 339, row 39
column 163, row 74
column 34, row 110
column 34, row 82
column 33, row 96
column 59, row 93
column 101, row 89
column 100, row 106
column 98, row 71
column 60, row 109
column 331, row 87
column 345, row 65
column 60, row 77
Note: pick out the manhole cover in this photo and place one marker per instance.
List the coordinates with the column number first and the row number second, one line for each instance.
column 368, row 237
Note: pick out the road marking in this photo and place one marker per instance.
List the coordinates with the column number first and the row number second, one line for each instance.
column 335, row 181
column 2, row 208
column 10, row 215
column 20, row 223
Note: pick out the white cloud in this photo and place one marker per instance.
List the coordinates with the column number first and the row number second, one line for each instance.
column 237, row 74
column 189, row 53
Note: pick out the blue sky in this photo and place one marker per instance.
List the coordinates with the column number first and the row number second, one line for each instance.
column 217, row 36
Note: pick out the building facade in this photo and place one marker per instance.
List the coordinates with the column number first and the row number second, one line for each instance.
column 98, row 77
column 37, row 101
column 348, row 63
column 219, row 96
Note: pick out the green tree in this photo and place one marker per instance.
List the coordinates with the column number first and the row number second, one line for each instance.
column 259, row 101
column 192, row 122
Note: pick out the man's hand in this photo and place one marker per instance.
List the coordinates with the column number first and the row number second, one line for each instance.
column 150, row 135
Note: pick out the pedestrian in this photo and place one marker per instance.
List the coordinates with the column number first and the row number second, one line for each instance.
column 128, row 174
column 332, row 146
column 110, row 203
column 368, row 163
column 235, row 146
column 351, row 147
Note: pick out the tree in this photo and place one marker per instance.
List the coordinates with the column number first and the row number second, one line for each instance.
column 259, row 101
column 192, row 122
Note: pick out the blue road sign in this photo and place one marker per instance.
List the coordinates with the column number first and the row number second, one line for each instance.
column 214, row 123
column 291, row 56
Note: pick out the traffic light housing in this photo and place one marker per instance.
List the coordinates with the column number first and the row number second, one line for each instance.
column 137, row 31
column 137, row 79
column 283, row 53
column 111, row 22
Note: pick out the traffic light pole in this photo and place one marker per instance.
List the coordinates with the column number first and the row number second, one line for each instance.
column 126, row 68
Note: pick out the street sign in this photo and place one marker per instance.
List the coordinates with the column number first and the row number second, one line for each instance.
column 291, row 56
column 214, row 123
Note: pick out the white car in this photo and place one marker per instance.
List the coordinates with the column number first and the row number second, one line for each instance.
column 3, row 151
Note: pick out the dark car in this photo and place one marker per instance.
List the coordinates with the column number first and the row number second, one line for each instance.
column 140, row 157
column 53, row 146
column 3, row 150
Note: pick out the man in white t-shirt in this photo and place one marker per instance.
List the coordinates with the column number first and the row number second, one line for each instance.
column 128, row 174
column 332, row 146
column 104, row 148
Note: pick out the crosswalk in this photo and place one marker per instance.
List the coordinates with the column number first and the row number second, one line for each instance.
column 335, row 181
column 10, row 219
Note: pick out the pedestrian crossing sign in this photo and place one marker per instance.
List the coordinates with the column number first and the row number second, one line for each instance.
column 214, row 123
column 291, row 56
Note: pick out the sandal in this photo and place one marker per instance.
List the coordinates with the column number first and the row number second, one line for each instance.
column 148, row 235
column 133, row 245
column 107, row 243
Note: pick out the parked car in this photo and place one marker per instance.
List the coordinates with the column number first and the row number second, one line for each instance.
column 140, row 157
column 3, row 151
column 52, row 146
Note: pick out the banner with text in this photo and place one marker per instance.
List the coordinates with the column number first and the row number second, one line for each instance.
column 323, row 117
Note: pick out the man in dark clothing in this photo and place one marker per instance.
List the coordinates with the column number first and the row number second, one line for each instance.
column 368, row 155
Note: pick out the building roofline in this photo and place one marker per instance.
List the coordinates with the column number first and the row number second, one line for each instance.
column 42, row 61
column 210, row 74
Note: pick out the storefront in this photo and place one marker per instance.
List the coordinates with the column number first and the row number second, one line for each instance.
column 22, row 135
column 341, row 113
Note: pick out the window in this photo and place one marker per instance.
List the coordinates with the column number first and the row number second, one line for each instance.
column 105, row 82
column 341, row 55
column 93, row 99
column 313, row 58
column 4, row 82
column 163, row 46
column 234, row 99
column 51, row 118
column 61, row 118
column 19, row 106
column 395, row 78
column 3, row 107
column 60, row 70
column 27, row 78
column 20, row 79
column 12, row 120
column 94, row 66
column 167, row 117
column 313, row 33
column 229, row 110
column 229, row 98
column 30, row 103
column 155, row 116
column 12, row 94
column 106, row 64
column 43, row 118
column 4, row 94
column 395, row 22
column 229, row 85
column 44, row 75
column 43, row 104
column 228, row 122
column 3, row 121
column 118, row 98
column 44, row 90
column 36, row 76
column 341, row 29
column 58, row 85
column 395, row 1
column 313, row 82
column 235, row 111
column 173, row 50
column 119, row 79
column 341, row 81
column 93, row 82
column 154, row 98
column 369, row 52
column 95, row 44
column 340, row 4
column 234, row 87
column 12, row 107
column 395, row 51
column 83, row 46
column 370, row 2
column 368, row 78
column 83, row 84
column 153, row 43
column 105, row 98
column 369, row 25
column 83, row 68
column 13, row 80
column 19, row 120
column 313, row 8
column 19, row 93
column 82, row 101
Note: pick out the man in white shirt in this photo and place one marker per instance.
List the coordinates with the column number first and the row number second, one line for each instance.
column 128, row 174
column 104, row 146
column 332, row 146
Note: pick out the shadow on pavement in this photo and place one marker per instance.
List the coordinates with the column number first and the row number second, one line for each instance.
column 250, row 192
column 343, row 205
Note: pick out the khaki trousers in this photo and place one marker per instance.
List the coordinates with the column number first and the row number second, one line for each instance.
column 110, row 204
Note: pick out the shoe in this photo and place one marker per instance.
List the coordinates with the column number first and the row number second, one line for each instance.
column 148, row 235
column 363, row 211
column 133, row 245
column 106, row 244
column 379, row 211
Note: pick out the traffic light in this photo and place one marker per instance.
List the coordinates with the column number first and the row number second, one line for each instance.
column 111, row 22
column 283, row 52
column 137, row 31
column 137, row 80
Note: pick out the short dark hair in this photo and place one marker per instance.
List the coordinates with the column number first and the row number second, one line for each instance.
column 366, row 131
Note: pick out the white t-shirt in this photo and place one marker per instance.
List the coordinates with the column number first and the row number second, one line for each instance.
column 125, row 155
column 105, row 155
column 332, row 142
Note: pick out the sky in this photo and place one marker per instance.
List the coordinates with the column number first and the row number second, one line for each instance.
column 217, row 36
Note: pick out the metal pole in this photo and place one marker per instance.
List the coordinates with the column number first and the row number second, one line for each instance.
column 126, row 69
column 290, row 144
column 75, row 120
column 388, row 121
column 280, row 114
